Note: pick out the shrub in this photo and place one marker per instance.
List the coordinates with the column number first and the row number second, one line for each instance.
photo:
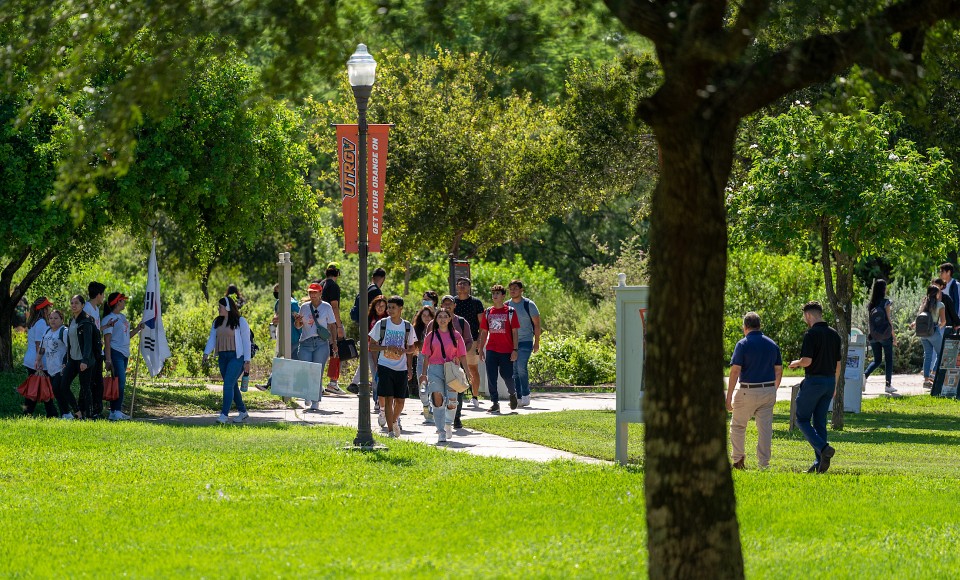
column 573, row 360
column 776, row 288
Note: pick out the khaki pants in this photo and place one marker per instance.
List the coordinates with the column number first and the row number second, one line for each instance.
column 757, row 403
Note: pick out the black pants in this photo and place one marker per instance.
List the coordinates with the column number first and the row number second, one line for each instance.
column 91, row 398
column 61, row 391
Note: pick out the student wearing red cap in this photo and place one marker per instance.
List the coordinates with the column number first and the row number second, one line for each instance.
column 116, row 347
column 317, row 326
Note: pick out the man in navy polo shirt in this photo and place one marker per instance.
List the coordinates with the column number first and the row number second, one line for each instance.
column 820, row 359
column 757, row 364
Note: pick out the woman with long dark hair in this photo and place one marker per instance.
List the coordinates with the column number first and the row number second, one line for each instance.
column 932, row 306
column 881, row 336
column 442, row 345
column 423, row 319
column 230, row 337
column 85, row 352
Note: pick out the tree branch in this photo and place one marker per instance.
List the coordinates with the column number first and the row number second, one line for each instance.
column 744, row 27
column 819, row 58
column 825, row 262
column 6, row 277
column 641, row 16
column 20, row 289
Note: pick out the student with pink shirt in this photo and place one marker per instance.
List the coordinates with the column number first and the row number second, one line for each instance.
column 443, row 344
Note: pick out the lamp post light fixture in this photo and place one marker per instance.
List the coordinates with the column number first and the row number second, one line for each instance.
column 362, row 71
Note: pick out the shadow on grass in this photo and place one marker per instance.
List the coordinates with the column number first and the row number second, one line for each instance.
column 875, row 428
column 383, row 456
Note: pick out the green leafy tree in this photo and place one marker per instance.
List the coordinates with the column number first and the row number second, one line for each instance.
column 721, row 62
column 216, row 176
column 467, row 164
column 849, row 185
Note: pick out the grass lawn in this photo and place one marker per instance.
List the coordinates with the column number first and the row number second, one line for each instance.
column 888, row 507
column 93, row 498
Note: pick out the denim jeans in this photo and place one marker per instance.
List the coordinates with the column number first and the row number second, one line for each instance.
column 521, row 373
column 498, row 361
column 119, row 371
column 882, row 353
column 231, row 367
column 437, row 383
column 813, row 400
column 931, row 350
column 317, row 351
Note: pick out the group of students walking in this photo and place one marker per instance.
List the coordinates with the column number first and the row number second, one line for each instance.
column 85, row 347
column 408, row 358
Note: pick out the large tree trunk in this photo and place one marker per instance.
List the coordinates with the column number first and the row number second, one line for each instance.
column 10, row 295
column 691, row 509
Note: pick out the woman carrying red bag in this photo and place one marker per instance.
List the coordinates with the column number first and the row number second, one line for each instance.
column 116, row 348
column 36, row 328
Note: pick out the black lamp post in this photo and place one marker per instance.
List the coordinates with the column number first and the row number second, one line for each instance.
column 362, row 70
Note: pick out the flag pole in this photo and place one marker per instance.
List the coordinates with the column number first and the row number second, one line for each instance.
column 136, row 373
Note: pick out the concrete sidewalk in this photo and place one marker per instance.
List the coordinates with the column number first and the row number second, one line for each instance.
column 342, row 410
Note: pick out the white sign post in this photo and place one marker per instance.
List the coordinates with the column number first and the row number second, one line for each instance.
column 632, row 304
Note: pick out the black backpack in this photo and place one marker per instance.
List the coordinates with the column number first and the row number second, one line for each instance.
column 880, row 327
column 924, row 325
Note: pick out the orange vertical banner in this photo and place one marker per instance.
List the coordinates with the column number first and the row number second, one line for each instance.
column 376, row 182
column 349, row 161
column 347, row 148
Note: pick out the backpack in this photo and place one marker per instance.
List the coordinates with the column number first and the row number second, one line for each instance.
column 355, row 311
column 879, row 324
column 924, row 324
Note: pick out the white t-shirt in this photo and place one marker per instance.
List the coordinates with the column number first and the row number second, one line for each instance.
column 393, row 337
column 54, row 349
column 34, row 335
column 324, row 316
column 119, row 333
column 94, row 312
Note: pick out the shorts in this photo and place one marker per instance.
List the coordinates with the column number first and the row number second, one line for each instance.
column 391, row 383
column 473, row 359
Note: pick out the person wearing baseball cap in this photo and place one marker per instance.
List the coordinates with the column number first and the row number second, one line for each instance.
column 116, row 347
column 318, row 326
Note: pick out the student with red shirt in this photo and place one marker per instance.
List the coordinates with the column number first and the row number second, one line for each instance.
column 499, row 334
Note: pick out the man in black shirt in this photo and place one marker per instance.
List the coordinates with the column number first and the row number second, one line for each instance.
column 949, row 310
column 470, row 308
column 820, row 359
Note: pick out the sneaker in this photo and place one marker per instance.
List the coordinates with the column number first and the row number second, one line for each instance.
column 222, row 418
column 334, row 389
column 391, row 434
column 890, row 389
column 441, row 437
column 314, row 406
column 826, row 454
column 376, row 408
column 396, row 429
column 113, row 416
column 526, row 401
column 67, row 417
column 740, row 464
column 399, row 426
column 927, row 383
column 475, row 403
column 494, row 408
column 513, row 400
column 241, row 417
column 448, row 430
column 354, row 388
column 382, row 419
column 813, row 468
